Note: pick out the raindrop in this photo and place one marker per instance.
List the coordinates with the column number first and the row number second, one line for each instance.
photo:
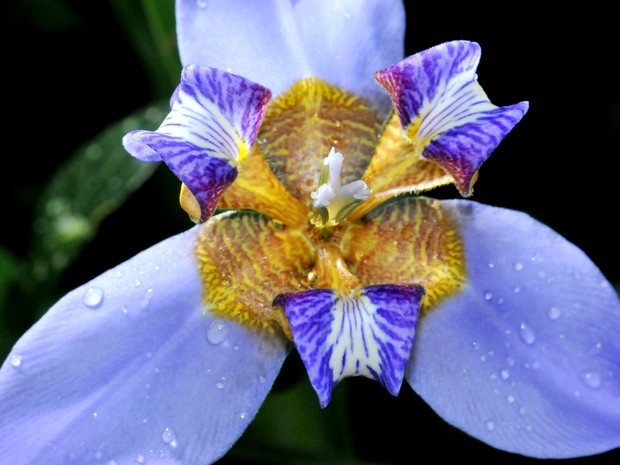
column 554, row 312
column 517, row 290
column 146, row 299
column 505, row 374
column 16, row 360
column 527, row 334
column 235, row 347
column 169, row 437
column 242, row 415
column 510, row 399
column 488, row 295
column 140, row 458
column 490, row 425
column 518, row 266
column 491, row 265
column 217, row 332
column 93, row 297
column 500, row 300
column 137, row 283
column 220, row 384
column 596, row 349
column 592, row 379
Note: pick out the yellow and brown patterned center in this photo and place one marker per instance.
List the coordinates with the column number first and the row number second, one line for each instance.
column 267, row 246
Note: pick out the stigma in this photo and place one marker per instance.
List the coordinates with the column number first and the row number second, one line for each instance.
column 332, row 201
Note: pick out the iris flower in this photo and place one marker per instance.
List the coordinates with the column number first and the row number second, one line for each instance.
column 303, row 139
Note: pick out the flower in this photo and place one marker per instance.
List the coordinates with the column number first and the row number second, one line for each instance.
column 168, row 356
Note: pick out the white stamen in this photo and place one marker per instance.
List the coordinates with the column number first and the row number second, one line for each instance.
column 331, row 194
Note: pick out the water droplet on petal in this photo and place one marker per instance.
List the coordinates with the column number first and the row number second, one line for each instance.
column 217, row 332
column 527, row 334
column 112, row 462
column 140, row 458
column 220, row 384
column 518, row 266
column 488, row 295
column 510, row 399
column 146, row 299
column 491, row 265
column 201, row 3
column 517, row 289
column 98, row 455
column 16, row 360
column 554, row 312
column 490, row 425
column 592, row 379
column 93, row 297
column 505, row 374
column 169, row 437
column 242, row 415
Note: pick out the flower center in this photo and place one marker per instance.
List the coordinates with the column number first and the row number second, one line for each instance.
column 332, row 201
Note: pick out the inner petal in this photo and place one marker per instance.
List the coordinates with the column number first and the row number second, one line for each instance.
column 245, row 259
column 410, row 240
column 304, row 123
column 368, row 333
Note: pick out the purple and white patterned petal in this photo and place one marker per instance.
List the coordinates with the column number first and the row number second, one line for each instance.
column 132, row 368
column 213, row 123
column 445, row 112
column 368, row 335
column 527, row 356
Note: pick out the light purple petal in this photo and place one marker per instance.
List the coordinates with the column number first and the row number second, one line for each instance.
column 213, row 122
column 444, row 110
column 127, row 369
column 276, row 43
column 368, row 335
column 527, row 357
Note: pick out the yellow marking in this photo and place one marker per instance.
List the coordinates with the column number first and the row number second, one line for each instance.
column 304, row 123
column 408, row 241
column 257, row 188
column 396, row 168
column 245, row 261
column 190, row 204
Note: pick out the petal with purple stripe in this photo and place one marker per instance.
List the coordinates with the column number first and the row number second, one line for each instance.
column 370, row 334
column 445, row 112
column 213, row 122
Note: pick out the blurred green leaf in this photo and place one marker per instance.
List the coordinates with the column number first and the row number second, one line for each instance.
column 291, row 428
column 8, row 273
column 93, row 183
column 47, row 15
column 151, row 29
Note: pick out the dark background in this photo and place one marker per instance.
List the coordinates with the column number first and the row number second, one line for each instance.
column 65, row 80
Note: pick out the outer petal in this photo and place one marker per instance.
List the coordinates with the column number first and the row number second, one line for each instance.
column 527, row 356
column 277, row 42
column 126, row 369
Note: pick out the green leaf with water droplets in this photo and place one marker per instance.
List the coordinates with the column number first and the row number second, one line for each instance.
column 90, row 185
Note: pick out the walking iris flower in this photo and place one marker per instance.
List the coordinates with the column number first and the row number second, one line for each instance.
column 310, row 234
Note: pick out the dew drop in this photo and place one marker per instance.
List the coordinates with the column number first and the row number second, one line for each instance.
column 490, row 425
column 510, row 399
column 527, row 334
column 517, row 290
column 491, row 265
column 169, row 437
column 16, row 360
column 500, row 300
column 219, row 385
column 243, row 415
column 146, row 299
column 93, row 297
column 518, row 266
column 217, row 332
column 592, row 379
column 554, row 312
column 505, row 374
column 488, row 295
column 140, row 458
